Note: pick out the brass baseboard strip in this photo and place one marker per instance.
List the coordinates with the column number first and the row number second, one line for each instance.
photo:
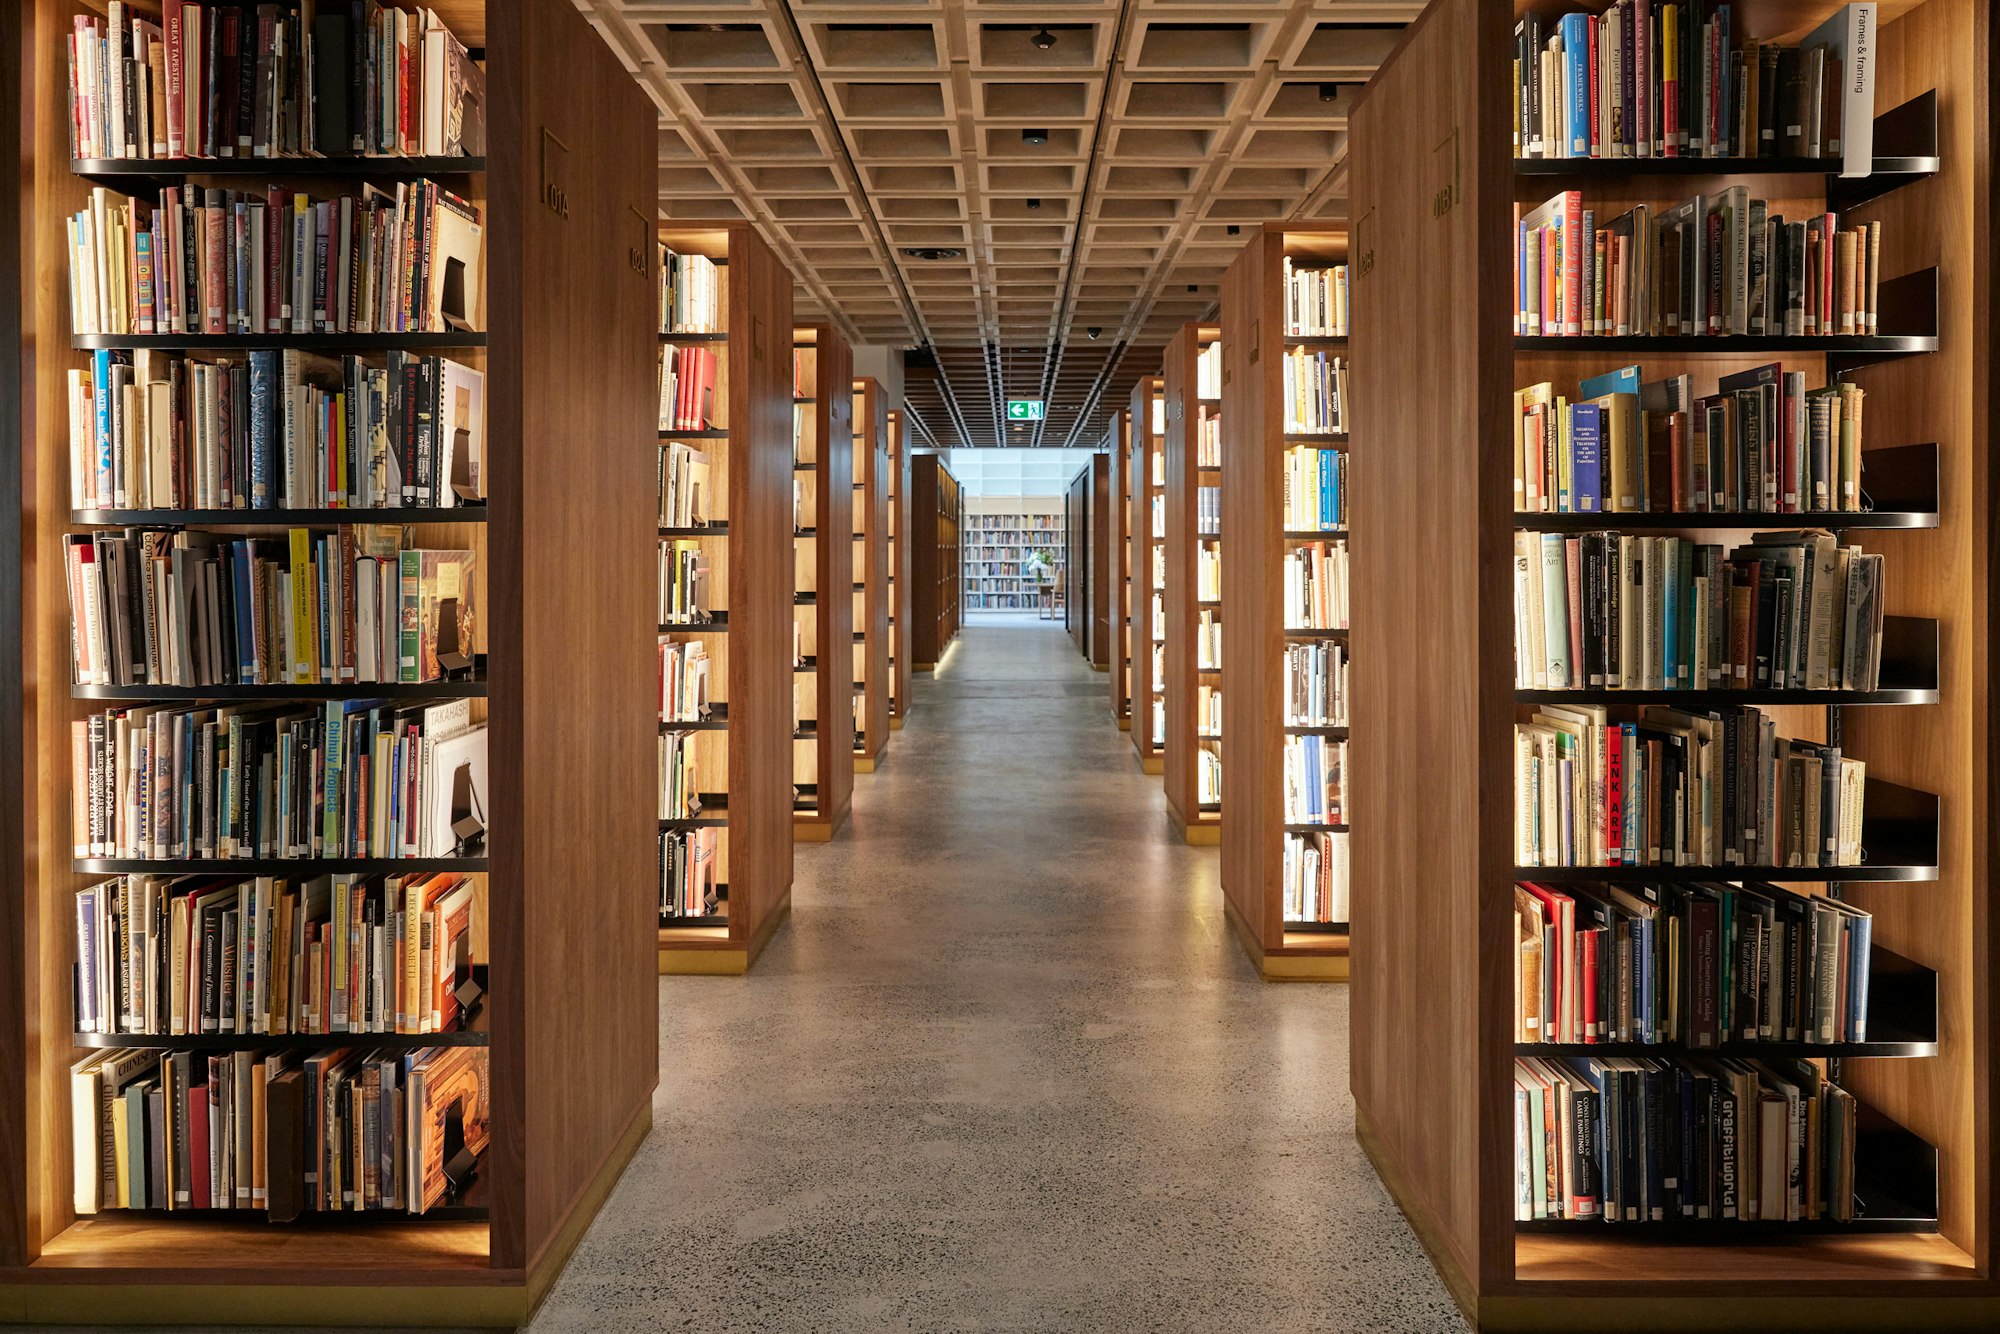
column 895, row 724
column 1124, row 724
column 728, row 960
column 1153, row 764
column 1456, row 1281
column 1284, row 967
column 864, row 764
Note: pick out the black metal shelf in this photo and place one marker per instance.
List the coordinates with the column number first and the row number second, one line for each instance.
column 1307, row 632
column 294, row 866
column 305, row 690
column 711, row 812
column 1314, row 828
column 311, row 342
column 705, row 530
column 147, row 172
column 705, row 433
column 1324, row 439
column 717, row 622
column 1337, row 731
column 694, row 337
column 1315, row 340
column 286, row 518
column 1899, row 841
column 1313, row 534
column 716, row 721
column 474, row 1036
column 1909, row 675
column 1316, row 928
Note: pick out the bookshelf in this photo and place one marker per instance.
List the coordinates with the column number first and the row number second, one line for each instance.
column 937, row 509
column 1147, row 415
column 1000, row 534
column 1121, row 569
column 564, row 685
column 741, row 749
column 1193, row 673
column 897, row 519
column 824, row 686
column 872, row 589
column 1265, row 845
column 1434, row 185
column 1087, row 544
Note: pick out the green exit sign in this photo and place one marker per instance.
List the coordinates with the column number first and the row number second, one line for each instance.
column 1024, row 409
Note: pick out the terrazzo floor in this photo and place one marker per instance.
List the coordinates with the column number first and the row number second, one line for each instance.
column 1005, row 1069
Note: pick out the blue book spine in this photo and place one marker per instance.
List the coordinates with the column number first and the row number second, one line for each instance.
column 263, row 427
column 1575, row 30
column 1860, row 931
column 246, row 646
column 335, row 734
column 100, row 393
column 1329, row 500
column 1586, row 436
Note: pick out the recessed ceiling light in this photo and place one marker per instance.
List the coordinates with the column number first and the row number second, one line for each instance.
column 1034, row 136
column 1043, row 40
column 933, row 252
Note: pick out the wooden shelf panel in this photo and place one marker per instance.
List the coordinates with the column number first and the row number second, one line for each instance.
column 280, row 518
column 324, row 690
column 312, row 342
column 275, row 865
column 147, row 173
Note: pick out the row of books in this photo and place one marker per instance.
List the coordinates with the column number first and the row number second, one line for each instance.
column 1207, row 774
column 1315, row 586
column 680, row 775
column 683, row 575
column 1208, row 371
column 685, row 486
column 1761, row 441
column 1315, row 393
column 683, row 681
column 1315, row 300
column 233, row 80
column 1681, row 788
column 1314, row 489
column 1711, row 265
column 1207, row 711
column 1697, row 965
column 688, row 884
column 174, row 955
column 1159, row 719
column 1014, row 523
column 1207, row 510
column 1784, row 611
column 1207, row 642
column 348, row 1129
column 1645, row 1140
column 184, row 607
column 688, row 380
column 1207, row 437
column 349, row 778
column 219, row 261
column 1315, row 684
column 1313, row 871
column 1208, row 573
column 275, row 429
column 1651, row 78
column 691, row 295
column 1313, row 766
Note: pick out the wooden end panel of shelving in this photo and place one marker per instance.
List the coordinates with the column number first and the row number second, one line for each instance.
column 1144, row 685
column 1103, row 561
column 871, row 497
column 1430, row 780
column 833, row 556
column 1179, row 443
column 1947, row 573
column 573, row 673
column 760, row 584
column 1118, row 541
column 1253, row 643
column 899, row 560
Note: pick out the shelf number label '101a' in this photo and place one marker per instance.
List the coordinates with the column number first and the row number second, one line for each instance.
column 555, row 156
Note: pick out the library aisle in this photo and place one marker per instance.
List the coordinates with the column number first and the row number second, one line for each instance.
column 1005, row 1069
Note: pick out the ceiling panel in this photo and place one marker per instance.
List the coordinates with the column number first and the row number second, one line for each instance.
column 1035, row 195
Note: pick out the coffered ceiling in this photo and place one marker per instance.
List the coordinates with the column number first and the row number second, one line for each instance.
column 1037, row 194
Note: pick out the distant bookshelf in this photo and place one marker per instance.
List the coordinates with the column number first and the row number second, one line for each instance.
column 1146, row 416
column 872, row 590
column 937, row 511
column 1192, row 645
column 823, row 443
column 997, row 549
column 897, row 479
column 1119, row 442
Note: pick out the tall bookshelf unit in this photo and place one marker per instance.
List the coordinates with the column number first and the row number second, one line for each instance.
column 937, row 509
column 564, row 684
column 1149, row 573
column 824, row 685
column 998, row 543
column 1255, row 711
column 743, row 749
column 897, row 480
column 1193, row 672
column 872, row 589
column 1434, row 183
column 1121, row 568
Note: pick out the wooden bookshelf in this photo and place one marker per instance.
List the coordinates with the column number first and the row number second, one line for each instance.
column 897, row 480
column 825, row 687
column 1433, row 189
column 1193, row 817
column 1255, row 714
column 1148, row 557
column 1087, row 531
column 1121, row 568
column 936, row 510
column 872, row 589
column 1000, row 534
column 569, row 1016
column 744, row 754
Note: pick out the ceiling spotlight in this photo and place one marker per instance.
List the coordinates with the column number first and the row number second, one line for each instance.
column 1329, row 92
column 1094, row 330
column 1234, row 230
column 1034, row 203
column 1193, row 288
column 1043, row 40
column 1034, row 136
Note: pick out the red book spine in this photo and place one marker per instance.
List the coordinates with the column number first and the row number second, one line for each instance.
column 1829, row 248
column 197, row 1109
column 1614, row 796
column 276, row 209
column 170, row 21
column 214, row 270
column 1595, row 59
column 1573, row 571
column 1587, row 942
column 1573, row 243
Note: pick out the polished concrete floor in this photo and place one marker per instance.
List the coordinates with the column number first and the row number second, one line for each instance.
column 1005, row 1069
